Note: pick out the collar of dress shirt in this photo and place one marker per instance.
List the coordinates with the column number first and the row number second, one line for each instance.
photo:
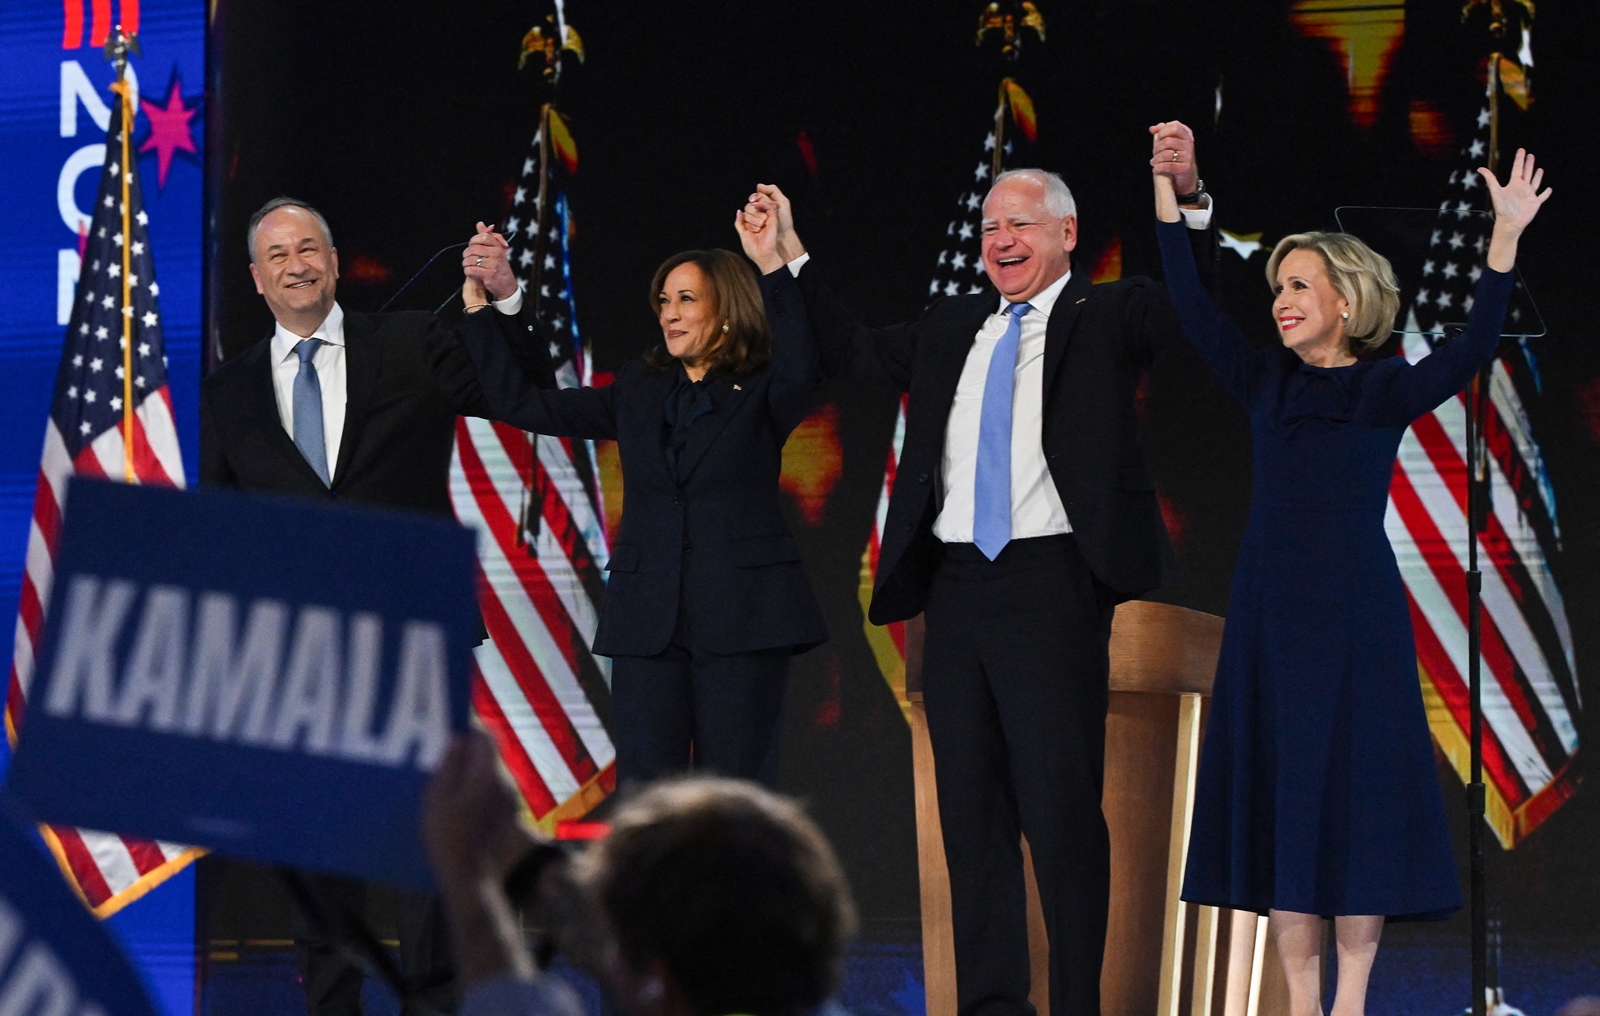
column 330, row 331
column 1043, row 300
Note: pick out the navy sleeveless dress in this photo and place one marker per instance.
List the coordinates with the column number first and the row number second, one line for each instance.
column 1317, row 791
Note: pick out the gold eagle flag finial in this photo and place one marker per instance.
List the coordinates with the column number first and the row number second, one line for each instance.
column 1510, row 26
column 1017, row 24
column 1013, row 22
column 118, row 44
column 1496, row 10
column 547, row 41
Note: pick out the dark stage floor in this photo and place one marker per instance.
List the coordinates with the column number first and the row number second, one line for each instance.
column 1421, row 971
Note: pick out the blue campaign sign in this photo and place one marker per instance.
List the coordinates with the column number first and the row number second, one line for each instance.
column 54, row 957
column 270, row 678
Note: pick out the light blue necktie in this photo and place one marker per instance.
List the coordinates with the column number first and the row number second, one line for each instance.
column 991, row 495
column 308, row 435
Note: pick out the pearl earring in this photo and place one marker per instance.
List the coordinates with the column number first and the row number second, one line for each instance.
column 725, row 327
column 1345, row 315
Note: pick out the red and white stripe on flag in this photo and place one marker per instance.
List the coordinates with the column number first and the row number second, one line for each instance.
column 1530, row 739
column 888, row 642
column 107, row 870
column 528, row 689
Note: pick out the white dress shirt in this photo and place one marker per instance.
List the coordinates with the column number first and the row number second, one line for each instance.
column 329, row 361
column 330, row 364
column 1036, row 508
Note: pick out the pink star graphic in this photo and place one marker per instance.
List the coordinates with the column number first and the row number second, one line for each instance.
column 169, row 130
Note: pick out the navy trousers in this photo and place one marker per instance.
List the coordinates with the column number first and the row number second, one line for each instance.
column 1014, row 683
column 685, row 710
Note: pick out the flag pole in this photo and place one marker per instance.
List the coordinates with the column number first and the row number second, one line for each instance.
column 1000, row 132
column 532, row 499
column 548, row 43
column 1477, row 502
column 1476, row 483
column 117, row 50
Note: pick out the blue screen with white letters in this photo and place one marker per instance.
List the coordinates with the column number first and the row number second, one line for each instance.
column 54, row 108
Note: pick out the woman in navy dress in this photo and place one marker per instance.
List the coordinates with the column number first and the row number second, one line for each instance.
column 1318, row 794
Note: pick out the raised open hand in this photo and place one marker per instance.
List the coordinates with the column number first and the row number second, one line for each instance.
column 1516, row 203
column 468, row 811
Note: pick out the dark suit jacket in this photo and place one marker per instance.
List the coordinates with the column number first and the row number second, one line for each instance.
column 407, row 378
column 711, row 554
column 1099, row 341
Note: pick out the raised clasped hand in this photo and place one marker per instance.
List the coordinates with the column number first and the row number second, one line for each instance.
column 756, row 224
column 1172, row 155
column 766, row 228
column 1516, row 203
column 486, row 260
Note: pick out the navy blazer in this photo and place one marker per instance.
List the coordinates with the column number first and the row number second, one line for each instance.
column 712, row 549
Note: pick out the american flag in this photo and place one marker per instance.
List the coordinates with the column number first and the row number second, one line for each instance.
column 1531, row 703
column 537, row 504
column 958, row 272
column 112, row 380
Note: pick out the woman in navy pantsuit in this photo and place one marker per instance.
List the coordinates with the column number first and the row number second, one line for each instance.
column 706, row 599
column 1318, row 795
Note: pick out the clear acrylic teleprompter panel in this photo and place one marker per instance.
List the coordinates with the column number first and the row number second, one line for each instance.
column 1433, row 251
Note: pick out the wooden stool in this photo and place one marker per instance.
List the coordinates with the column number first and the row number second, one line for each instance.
column 1163, row 658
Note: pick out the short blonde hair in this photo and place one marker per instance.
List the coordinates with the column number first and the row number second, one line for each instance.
column 1360, row 274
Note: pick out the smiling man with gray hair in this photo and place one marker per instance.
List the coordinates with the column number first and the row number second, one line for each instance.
column 357, row 407
column 1022, row 513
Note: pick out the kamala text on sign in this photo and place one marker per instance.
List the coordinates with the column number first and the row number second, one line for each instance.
column 267, row 677
column 231, row 686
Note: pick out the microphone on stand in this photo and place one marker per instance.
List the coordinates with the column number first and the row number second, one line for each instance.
column 428, row 264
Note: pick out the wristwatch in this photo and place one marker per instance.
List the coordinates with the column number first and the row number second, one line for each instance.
column 1193, row 199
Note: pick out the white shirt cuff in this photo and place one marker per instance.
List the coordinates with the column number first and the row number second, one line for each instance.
column 513, row 303
column 1198, row 218
column 799, row 263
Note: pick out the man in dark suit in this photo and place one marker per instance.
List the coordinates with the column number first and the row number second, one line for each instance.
column 362, row 408
column 1022, row 513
